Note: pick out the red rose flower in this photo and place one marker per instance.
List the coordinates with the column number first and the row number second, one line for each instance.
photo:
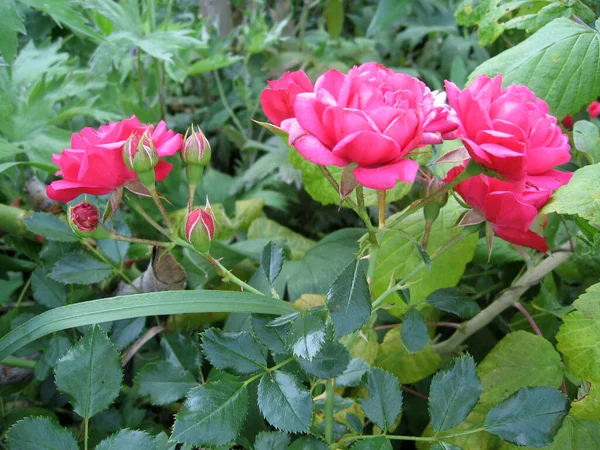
column 278, row 101
column 594, row 109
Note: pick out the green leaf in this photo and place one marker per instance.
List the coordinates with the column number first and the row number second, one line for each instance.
column 306, row 335
column 5, row 166
column 587, row 404
column 454, row 301
column 213, row 62
column 388, row 13
column 164, row 382
column 55, row 349
column 353, row 374
column 414, row 332
column 586, row 137
column 274, row 338
column 90, row 373
column 213, row 414
column 578, row 339
column 11, row 24
column 272, row 440
column 124, row 332
column 349, row 300
column 285, row 402
column 46, row 291
column 377, row 443
column 129, row 439
column 580, row 197
column 269, row 229
column 398, row 257
column 138, row 305
column 236, row 351
column 384, row 403
column 308, row 443
column 541, row 61
column 49, row 226
column 531, row 416
column 271, row 260
column 444, row 446
column 39, row 433
column 510, row 366
column 80, row 268
column 334, row 17
column 182, row 352
column 454, row 392
column 577, row 434
column 331, row 361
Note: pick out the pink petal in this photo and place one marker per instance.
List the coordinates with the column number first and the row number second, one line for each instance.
column 162, row 169
column 64, row 191
column 172, row 146
column 367, row 148
column 309, row 113
column 386, row 177
column 525, row 238
column 309, row 146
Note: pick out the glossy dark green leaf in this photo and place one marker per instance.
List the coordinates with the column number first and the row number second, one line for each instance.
column 376, row 443
column 454, row 392
column 56, row 348
column 49, row 226
column 80, row 268
column 306, row 335
column 213, row 414
column 46, row 291
column 440, row 445
column 90, row 373
column 329, row 362
column 271, row 260
column 285, row 402
column 183, row 352
column 349, row 300
column 454, row 301
column 236, row 351
column 274, row 338
column 272, row 440
column 130, row 440
column 353, row 374
column 339, row 403
column 414, row 331
column 164, row 382
column 531, row 416
column 39, row 433
column 355, row 422
column 308, row 443
column 384, row 402
column 124, row 332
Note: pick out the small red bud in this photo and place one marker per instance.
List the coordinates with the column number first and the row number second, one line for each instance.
column 83, row 219
column 196, row 149
column 139, row 153
column 200, row 228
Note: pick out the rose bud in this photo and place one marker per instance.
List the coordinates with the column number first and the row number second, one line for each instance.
column 196, row 149
column 140, row 155
column 200, row 228
column 84, row 221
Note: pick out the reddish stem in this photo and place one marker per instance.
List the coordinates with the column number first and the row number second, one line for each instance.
column 529, row 319
column 413, row 392
column 429, row 324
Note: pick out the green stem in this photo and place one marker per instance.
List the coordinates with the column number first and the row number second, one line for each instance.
column 13, row 361
column 120, row 237
column 413, row 438
column 226, row 274
column 23, row 291
column 269, row 370
column 86, row 433
column 329, row 393
column 160, row 206
column 226, row 104
column 11, row 220
column 137, row 207
column 191, row 195
column 162, row 89
column 381, row 202
column 107, row 260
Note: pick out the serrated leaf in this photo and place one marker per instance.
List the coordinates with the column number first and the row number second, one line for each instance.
column 578, row 339
column 414, row 331
column 454, row 301
column 577, row 434
column 271, row 260
column 182, row 352
column 377, row 443
column 39, row 433
column 272, row 440
column 55, row 349
column 329, row 362
column 444, row 446
column 531, row 416
column 384, row 403
column 308, row 443
column 129, row 439
column 124, row 332
column 353, row 374
column 454, row 392
column 90, row 373
column 274, row 338
column 349, row 300
column 213, row 414
column 285, row 402
column 80, row 268
column 11, row 24
column 510, row 366
column 236, row 351
column 49, row 226
column 306, row 335
column 164, row 382
column 552, row 51
column 586, row 137
column 46, row 291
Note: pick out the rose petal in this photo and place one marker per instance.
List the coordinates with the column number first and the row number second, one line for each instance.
column 367, row 148
column 309, row 146
column 386, row 177
column 525, row 238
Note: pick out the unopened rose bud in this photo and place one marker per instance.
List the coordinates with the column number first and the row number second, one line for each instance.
column 84, row 220
column 200, row 228
column 196, row 154
column 140, row 155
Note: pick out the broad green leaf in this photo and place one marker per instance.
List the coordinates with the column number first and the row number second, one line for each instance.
column 408, row 368
column 454, row 301
column 334, row 17
column 49, row 226
column 46, row 291
column 56, row 348
column 138, row 305
column 377, row 443
column 578, row 339
column 124, row 332
column 384, row 402
column 398, row 257
column 414, row 332
column 588, row 406
column 540, row 62
column 272, row 440
column 349, row 300
column 332, row 360
column 577, row 434
column 130, row 440
column 586, row 137
column 308, row 443
column 213, row 414
column 11, row 24
column 510, row 366
column 306, row 335
column 531, row 416
column 236, row 351
column 271, row 260
column 164, row 382
column 285, row 402
column 265, row 228
column 213, row 62
column 182, row 352
column 388, row 13
column 353, row 374
column 81, row 268
column 274, row 338
column 589, row 303
column 39, row 433
column 90, row 373
column 444, row 446
column 454, row 392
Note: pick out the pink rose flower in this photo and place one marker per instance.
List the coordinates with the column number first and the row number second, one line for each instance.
column 508, row 130
column 94, row 163
column 278, row 101
column 594, row 109
column 372, row 118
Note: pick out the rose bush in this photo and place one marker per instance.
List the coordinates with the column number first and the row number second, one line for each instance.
column 94, row 162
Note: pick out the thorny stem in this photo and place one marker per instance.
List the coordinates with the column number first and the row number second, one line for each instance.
column 120, row 237
column 410, row 438
column 226, row 275
column 529, row 318
column 137, row 207
column 160, row 206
